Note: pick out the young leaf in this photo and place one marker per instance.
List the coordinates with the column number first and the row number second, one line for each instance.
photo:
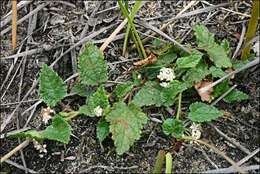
column 33, row 134
column 125, row 125
column 156, row 42
column 100, row 97
column 201, row 112
column 52, row 87
column 189, row 61
column 217, row 72
column 92, row 67
column 82, row 90
column 171, row 91
column 173, row 127
column 150, row 94
column 167, row 58
column 59, row 130
column 122, row 89
column 203, row 36
column 224, row 44
column 102, row 129
column 206, row 40
column 235, row 95
column 88, row 108
column 218, row 55
column 196, row 74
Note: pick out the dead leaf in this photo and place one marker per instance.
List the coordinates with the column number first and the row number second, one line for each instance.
column 230, row 70
column 142, row 63
column 236, row 35
column 149, row 60
column 205, row 96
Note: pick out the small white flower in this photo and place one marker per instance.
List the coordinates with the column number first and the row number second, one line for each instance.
column 161, row 76
column 46, row 114
column 166, row 74
column 36, row 145
column 196, row 133
column 45, row 118
column 139, row 76
column 164, row 84
column 43, row 148
column 98, row 111
column 40, row 147
column 170, row 77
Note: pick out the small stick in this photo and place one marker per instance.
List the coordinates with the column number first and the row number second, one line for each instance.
column 24, row 144
column 66, row 107
column 147, row 25
column 14, row 23
column 113, row 35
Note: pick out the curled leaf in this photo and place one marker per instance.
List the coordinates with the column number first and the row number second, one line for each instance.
column 205, row 96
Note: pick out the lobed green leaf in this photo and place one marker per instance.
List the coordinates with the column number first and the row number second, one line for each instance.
column 52, row 87
column 125, row 125
column 201, row 112
column 59, row 130
column 122, row 89
column 102, row 129
column 148, row 95
column 203, row 36
column 235, row 94
column 194, row 75
column 100, row 98
column 92, row 67
column 82, row 90
column 173, row 127
column 218, row 55
column 189, row 61
column 217, row 72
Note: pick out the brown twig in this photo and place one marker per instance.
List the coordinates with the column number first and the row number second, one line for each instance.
column 66, row 107
column 21, row 146
column 14, row 23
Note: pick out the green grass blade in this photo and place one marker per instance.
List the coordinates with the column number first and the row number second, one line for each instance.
column 130, row 20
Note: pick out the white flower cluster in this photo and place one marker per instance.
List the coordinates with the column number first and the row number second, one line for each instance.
column 166, row 74
column 46, row 114
column 98, row 111
column 196, row 133
column 40, row 147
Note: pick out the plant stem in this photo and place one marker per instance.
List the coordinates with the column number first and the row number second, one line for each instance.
column 159, row 162
column 72, row 115
column 179, row 106
column 217, row 151
column 66, row 107
column 168, row 163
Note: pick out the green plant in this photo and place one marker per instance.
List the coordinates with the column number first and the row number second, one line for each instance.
column 131, row 27
column 172, row 75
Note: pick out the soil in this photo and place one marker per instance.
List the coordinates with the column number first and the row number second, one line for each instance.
column 58, row 26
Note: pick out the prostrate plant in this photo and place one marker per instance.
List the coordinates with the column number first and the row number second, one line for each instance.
column 174, row 73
